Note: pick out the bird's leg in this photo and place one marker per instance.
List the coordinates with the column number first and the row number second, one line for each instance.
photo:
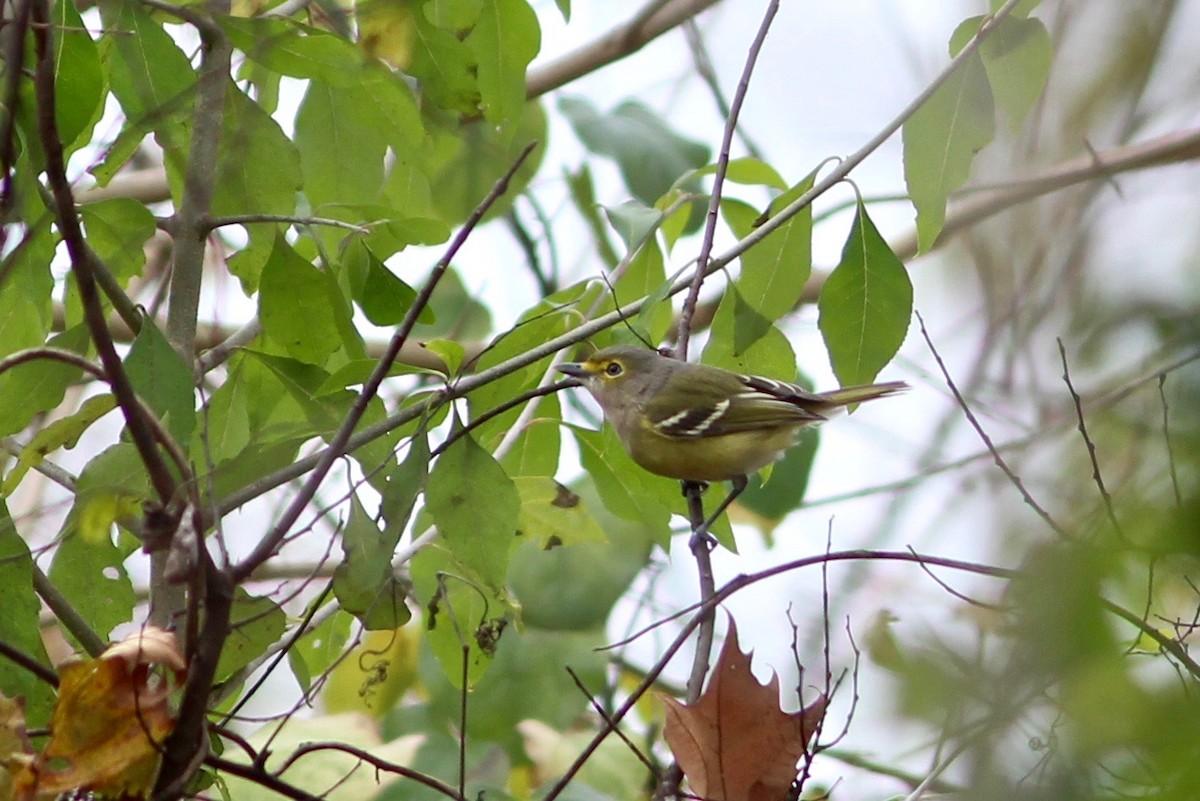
column 701, row 533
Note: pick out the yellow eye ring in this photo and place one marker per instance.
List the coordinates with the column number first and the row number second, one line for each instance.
column 613, row 369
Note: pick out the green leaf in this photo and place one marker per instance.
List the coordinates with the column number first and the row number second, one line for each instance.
column 320, row 647
column 465, row 612
column 258, row 167
column 255, row 624
column 88, row 567
column 383, row 297
column 342, row 120
column 744, row 341
column 38, row 386
column 747, row 171
column 289, row 283
column 92, row 577
column 450, row 352
column 644, row 276
column 376, row 673
column 405, row 482
column 357, row 371
column 564, row 8
column 19, row 627
column 1017, row 56
column 111, row 489
column 162, row 380
column 633, row 222
column 61, row 433
column 504, row 41
column 296, row 50
column 150, row 76
column 475, row 507
column 627, row 490
column 117, row 231
column 364, row 583
column 79, row 76
column 467, row 160
column 25, row 300
column 535, row 450
column 940, row 142
column 552, row 516
column 507, row 695
column 247, row 264
column 300, row 381
column 575, row 588
column 445, row 68
column 865, row 305
column 774, row 271
column 226, row 423
column 650, row 155
column 320, row 412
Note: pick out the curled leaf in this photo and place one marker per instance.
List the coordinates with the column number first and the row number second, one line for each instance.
column 109, row 723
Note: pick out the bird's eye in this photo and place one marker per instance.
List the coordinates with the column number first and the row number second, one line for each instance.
column 614, row 369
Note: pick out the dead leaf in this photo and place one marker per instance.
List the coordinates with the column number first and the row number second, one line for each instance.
column 109, row 721
column 735, row 743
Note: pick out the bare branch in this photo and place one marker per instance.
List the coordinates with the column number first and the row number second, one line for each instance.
column 653, row 20
column 1091, row 447
column 987, row 441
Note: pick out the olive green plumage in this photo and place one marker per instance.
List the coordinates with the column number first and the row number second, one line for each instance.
column 701, row 423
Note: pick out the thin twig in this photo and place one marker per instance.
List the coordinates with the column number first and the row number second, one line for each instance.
column 370, row 759
column 714, row 201
column 492, row 414
column 259, row 775
column 294, row 219
column 50, row 470
column 1166, row 431
column 987, row 441
column 22, row 659
column 1091, row 447
column 66, row 614
column 595, row 703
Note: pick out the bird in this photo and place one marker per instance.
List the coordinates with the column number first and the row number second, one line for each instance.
column 700, row 423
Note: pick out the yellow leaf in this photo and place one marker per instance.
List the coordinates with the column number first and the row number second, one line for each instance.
column 108, row 724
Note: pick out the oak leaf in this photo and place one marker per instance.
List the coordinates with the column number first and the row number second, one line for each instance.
column 735, row 743
column 108, row 724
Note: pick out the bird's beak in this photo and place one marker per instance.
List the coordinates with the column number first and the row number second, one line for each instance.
column 576, row 369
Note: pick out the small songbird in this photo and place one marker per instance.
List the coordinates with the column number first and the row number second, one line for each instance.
column 700, row 423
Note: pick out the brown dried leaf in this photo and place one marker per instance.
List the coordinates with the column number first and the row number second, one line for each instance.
column 735, row 743
column 108, row 723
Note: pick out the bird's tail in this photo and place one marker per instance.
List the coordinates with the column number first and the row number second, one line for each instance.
column 850, row 396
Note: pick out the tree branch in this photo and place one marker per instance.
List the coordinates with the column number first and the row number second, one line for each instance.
column 654, row 19
column 81, row 263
